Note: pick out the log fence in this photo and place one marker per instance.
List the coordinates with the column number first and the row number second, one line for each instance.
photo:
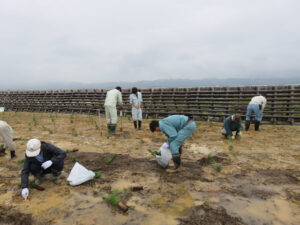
column 204, row 103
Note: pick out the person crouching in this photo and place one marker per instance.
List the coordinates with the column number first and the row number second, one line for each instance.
column 41, row 158
column 232, row 123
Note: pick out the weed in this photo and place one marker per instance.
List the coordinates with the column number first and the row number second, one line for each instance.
column 74, row 159
column 21, row 160
column 110, row 158
column 47, row 129
column 74, row 133
column 97, row 175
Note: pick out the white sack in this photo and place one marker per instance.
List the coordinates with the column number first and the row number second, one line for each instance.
column 166, row 155
column 79, row 174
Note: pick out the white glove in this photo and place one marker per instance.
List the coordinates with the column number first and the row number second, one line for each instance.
column 47, row 164
column 25, row 193
column 232, row 137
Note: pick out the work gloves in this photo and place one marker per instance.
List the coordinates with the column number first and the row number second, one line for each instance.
column 47, row 164
column 25, row 193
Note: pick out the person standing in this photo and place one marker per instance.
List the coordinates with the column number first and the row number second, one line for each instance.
column 6, row 132
column 256, row 106
column 232, row 123
column 177, row 128
column 41, row 158
column 113, row 97
column 136, row 102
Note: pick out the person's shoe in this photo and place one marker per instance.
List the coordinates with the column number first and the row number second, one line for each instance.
column 140, row 124
column 135, row 125
column 173, row 170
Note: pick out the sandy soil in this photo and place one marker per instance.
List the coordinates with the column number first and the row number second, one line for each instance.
column 258, row 181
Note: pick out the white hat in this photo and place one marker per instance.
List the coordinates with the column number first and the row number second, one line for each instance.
column 33, row 147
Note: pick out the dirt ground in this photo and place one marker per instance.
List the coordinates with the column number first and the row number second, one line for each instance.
column 254, row 180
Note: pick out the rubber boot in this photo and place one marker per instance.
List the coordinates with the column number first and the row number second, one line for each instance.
column 247, row 125
column 109, row 128
column 113, row 129
column 12, row 154
column 135, row 124
column 140, row 124
column 257, row 125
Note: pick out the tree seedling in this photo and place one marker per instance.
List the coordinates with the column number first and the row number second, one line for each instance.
column 96, row 125
column 47, row 129
column 74, row 133
column 34, row 120
column 52, row 119
column 154, row 153
column 217, row 168
column 21, row 160
column 72, row 118
column 141, row 140
column 74, row 159
column 114, row 199
column 211, row 159
column 29, row 126
column 110, row 158
column 97, row 175
column 67, row 151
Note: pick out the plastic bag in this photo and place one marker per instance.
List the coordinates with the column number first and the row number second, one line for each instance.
column 166, row 155
column 79, row 174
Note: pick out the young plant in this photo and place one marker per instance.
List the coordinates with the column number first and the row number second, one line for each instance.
column 113, row 197
column 34, row 120
column 74, row 133
column 47, row 129
column 230, row 143
column 52, row 119
column 110, row 158
column 21, row 160
column 211, row 159
column 29, row 126
column 96, row 125
column 72, row 118
column 154, row 153
column 217, row 168
column 97, row 175
column 67, row 151
column 74, row 159
column 141, row 140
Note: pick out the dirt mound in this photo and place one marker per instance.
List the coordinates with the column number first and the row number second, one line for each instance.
column 11, row 216
column 205, row 215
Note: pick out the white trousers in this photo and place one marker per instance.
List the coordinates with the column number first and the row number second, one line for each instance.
column 111, row 114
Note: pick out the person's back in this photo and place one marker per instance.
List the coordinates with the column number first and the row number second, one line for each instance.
column 113, row 97
column 260, row 100
column 6, row 132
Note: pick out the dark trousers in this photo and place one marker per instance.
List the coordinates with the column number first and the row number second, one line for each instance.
column 36, row 169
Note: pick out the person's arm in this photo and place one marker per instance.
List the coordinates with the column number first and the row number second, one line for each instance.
column 58, row 154
column 25, row 173
column 119, row 97
column 263, row 105
column 142, row 105
column 170, row 132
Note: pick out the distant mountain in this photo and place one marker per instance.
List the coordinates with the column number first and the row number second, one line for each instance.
column 166, row 83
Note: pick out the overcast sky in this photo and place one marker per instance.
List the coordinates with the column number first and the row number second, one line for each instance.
column 131, row 40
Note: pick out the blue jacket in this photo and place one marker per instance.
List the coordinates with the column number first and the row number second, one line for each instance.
column 177, row 130
column 230, row 126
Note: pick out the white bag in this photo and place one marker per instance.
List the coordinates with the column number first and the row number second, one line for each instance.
column 79, row 174
column 166, row 155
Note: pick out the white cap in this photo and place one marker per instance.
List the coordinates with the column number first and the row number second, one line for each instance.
column 33, row 147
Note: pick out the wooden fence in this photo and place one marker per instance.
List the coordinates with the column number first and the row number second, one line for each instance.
column 204, row 103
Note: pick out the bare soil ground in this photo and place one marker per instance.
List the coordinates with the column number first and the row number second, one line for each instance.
column 254, row 180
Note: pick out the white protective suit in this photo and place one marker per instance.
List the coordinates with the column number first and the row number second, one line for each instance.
column 138, row 101
column 113, row 97
column 6, row 132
